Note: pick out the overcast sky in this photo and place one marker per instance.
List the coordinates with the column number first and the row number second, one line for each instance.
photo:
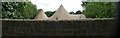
column 52, row 5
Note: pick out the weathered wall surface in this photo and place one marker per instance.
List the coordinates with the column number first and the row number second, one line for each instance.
column 60, row 28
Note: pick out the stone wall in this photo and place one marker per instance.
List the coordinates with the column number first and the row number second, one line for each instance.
column 58, row 28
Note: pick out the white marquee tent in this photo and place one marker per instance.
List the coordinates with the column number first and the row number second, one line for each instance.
column 61, row 14
column 41, row 15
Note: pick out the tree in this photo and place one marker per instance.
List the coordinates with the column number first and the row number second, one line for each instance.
column 78, row 12
column 71, row 12
column 49, row 13
column 99, row 9
column 18, row 10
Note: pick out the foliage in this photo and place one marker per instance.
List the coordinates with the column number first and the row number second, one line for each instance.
column 71, row 12
column 18, row 10
column 78, row 12
column 99, row 9
column 49, row 13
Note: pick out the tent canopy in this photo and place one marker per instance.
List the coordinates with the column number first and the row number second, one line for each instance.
column 61, row 13
column 41, row 15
